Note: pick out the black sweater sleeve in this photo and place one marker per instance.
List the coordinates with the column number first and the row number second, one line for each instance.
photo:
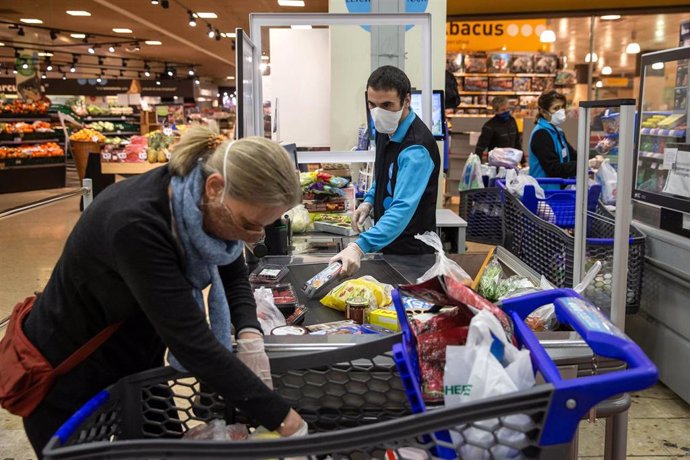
column 484, row 138
column 543, row 148
column 149, row 265
column 239, row 293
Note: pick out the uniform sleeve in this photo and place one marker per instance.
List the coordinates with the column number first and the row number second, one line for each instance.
column 239, row 293
column 544, row 149
column 414, row 170
column 484, row 139
column 371, row 193
column 149, row 265
column 518, row 137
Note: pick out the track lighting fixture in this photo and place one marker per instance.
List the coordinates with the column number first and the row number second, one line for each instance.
column 192, row 20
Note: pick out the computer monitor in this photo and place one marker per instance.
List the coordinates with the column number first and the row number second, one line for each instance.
column 437, row 111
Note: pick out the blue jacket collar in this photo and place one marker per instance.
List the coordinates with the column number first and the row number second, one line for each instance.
column 404, row 125
column 548, row 125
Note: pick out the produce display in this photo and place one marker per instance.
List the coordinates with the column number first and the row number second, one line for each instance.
column 110, row 127
column 49, row 149
column 664, row 121
column 87, row 135
column 22, row 128
column 18, row 107
column 158, row 147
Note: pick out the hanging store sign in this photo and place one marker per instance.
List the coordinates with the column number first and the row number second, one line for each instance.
column 90, row 87
column 364, row 6
column 613, row 82
column 507, row 35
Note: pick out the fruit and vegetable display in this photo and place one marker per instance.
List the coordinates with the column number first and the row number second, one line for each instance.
column 19, row 107
column 87, row 135
column 110, row 127
column 22, row 128
column 115, row 140
column 49, row 149
column 97, row 111
column 158, row 147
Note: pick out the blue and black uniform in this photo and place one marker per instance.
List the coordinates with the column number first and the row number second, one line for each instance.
column 404, row 191
column 550, row 154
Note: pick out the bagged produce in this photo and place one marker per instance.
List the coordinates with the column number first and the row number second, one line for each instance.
column 268, row 314
column 443, row 266
column 472, row 174
column 218, row 430
column 366, row 287
column 300, row 220
column 608, row 178
column 505, row 157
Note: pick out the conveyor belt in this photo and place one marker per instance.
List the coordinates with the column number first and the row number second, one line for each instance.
column 299, row 274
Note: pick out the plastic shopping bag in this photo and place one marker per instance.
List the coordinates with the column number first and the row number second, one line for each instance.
column 472, row 174
column 516, row 183
column 300, row 219
column 608, row 178
column 506, row 157
column 443, row 266
column 266, row 311
column 488, row 365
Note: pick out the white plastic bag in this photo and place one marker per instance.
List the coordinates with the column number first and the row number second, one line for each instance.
column 444, row 265
column 506, row 157
column 472, row 174
column 299, row 219
column 266, row 311
column 608, row 178
column 516, row 183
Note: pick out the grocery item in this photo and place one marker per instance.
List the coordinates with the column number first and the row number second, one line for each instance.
column 387, row 319
column 506, row 157
column 299, row 219
column 268, row 274
column 355, row 308
column 289, row 330
column 365, row 288
column 335, row 327
column 20, row 107
column 87, row 135
column 218, row 430
column 267, row 313
column 313, row 286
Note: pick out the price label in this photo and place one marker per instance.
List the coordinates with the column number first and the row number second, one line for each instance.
column 167, row 131
column 107, row 156
column 123, row 117
column 122, row 156
column 670, row 155
column 142, row 156
column 94, row 138
column 17, row 139
column 167, row 154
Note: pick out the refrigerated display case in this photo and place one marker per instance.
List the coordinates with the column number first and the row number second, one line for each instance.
column 661, row 193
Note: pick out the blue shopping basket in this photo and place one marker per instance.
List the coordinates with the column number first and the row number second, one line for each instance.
column 571, row 399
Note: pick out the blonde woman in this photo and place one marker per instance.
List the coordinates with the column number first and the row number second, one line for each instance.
column 140, row 256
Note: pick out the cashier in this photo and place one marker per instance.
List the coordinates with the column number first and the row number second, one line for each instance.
column 404, row 193
column 501, row 130
column 550, row 153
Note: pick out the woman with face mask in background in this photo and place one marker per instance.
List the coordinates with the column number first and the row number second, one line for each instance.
column 550, row 154
column 501, row 130
column 139, row 257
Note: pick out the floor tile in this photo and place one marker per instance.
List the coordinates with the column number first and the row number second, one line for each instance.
column 15, row 446
column 658, row 436
column 646, row 406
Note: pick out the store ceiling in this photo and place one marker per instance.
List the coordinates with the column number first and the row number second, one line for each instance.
column 545, row 8
column 180, row 42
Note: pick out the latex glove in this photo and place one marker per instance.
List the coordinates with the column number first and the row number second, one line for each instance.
column 360, row 215
column 251, row 352
column 350, row 257
column 293, row 426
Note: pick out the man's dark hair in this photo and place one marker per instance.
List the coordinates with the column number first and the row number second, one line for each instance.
column 388, row 77
column 546, row 99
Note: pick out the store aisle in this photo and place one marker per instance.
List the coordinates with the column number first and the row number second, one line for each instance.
column 659, row 426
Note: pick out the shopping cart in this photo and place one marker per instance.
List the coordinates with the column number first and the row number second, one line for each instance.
column 356, row 404
column 482, row 209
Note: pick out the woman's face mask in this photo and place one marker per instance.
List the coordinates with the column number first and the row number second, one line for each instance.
column 558, row 117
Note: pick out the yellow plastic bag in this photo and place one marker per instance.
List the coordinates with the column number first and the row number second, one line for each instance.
column 378, row 294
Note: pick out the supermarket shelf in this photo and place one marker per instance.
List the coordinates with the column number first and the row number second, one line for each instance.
column 114, row 118
column 473, row 106
column 119, row 133
column 31, row 141
column 500, row 93
column 128, row 168
column 464, row 74
column 18, row 118
column 4, row 164
column 652, row 156
column 662, row 132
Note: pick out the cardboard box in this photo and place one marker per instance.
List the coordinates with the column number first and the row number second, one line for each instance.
column 385, row 318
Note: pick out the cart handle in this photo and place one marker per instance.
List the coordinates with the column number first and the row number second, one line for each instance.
column 573, row 398
column 92, row 405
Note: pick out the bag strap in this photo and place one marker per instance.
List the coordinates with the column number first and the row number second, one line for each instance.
column 85, row 350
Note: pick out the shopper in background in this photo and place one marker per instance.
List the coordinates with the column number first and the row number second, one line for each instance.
column 501, row 130
column 550, row 154
column 404, row 193
column 140, row 256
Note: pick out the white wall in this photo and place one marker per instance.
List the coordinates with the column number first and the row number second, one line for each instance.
column 301, row 80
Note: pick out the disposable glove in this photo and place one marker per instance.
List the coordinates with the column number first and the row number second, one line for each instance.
column 251, row 352
column 350, row 257
column 359, row 216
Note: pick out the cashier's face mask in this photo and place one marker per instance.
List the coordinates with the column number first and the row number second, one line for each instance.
column 385, row 121
column 558, row 117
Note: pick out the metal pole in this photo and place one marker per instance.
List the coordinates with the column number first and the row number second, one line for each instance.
column 619, row 283
column 426, row 68
column 581, row 195
column 87, row 185
column 590, row 70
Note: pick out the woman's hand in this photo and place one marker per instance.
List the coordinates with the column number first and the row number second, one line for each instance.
column 293, row 425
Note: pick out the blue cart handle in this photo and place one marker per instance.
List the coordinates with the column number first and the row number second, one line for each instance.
column 70, row 426
column 573, row 398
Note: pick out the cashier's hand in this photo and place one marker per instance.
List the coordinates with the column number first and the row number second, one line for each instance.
column 360, row 215
column 350, row 257
column 250, row 350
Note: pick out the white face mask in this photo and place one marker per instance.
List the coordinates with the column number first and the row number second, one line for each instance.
column 385, row 121
column 558, row 117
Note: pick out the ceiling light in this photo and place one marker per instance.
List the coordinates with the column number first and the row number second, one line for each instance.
column 211, row 32
column 147, row 73
column 547, row 36
column 73, row 69
column 45, row 54
column 230, row 77
column 192, row 21
column 49, row 66
column 122, row 30
column 191, row 72
column 53, row 34
column 154, row 2
column 2, row 44
column 658, row 65
column 91, row 50
column 170, row 72
column 31, row 21
column 207, row 15
column 301, row 27
column 64, row 76
column 44, row 76
column 111, row 48
column 77, row 35
column 98, row 79
column 78, row 13
column 158, row 82
column 593, row 57
column 599, row 84
column 25, row 65
column 290, row 2
column 264, row 58
column 607, row 70
column 14, row 71
column 633, row 48
column 196, row 81
column 611, row 17
column 230, row 34
column 153, row 42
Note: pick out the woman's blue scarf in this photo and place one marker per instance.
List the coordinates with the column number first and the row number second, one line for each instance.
column 203, row 254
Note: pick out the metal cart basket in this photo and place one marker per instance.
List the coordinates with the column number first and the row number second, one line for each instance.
column 355, row 402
